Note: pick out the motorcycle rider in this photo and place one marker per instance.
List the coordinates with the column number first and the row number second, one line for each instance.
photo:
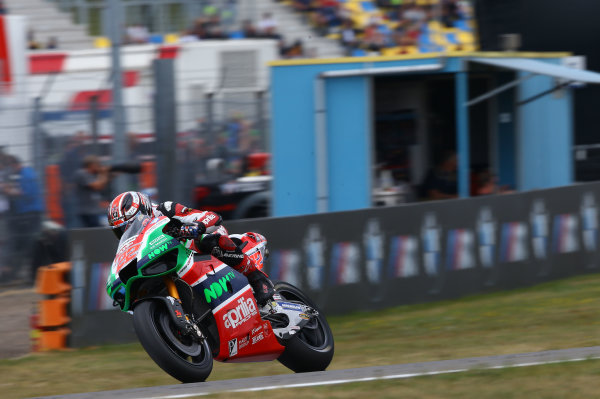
column 192, row 230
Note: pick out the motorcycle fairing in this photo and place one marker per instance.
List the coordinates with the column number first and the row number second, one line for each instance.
column 229, row 295
column 245, row 336
column 142, row 245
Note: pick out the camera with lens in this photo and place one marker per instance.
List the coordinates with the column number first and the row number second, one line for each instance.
column 126, row 167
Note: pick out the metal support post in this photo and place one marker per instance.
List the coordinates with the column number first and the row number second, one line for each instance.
column 260, row 119
column 94, row 124
column 39, row 160
column 119, row 149
column 462, row 132
column 165, row 129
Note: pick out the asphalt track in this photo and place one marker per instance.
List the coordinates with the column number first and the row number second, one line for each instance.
column 345, row 376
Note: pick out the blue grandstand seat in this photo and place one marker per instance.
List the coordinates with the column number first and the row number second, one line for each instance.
column 367, row 6
column 451, row 37
column 357, row 52
column 238, row 34
column 462, row 24
column 156, row 39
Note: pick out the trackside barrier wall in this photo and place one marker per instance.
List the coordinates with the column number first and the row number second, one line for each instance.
column 382, row 257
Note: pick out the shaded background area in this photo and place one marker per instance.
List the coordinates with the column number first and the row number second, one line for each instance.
column 554, row 26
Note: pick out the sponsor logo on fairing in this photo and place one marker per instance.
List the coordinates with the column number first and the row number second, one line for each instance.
column 291, row 306
column 240, row 314
column 210, row 217
column 159, row 240
column 157, row 251
column 242, row 343
column 257, row 338
column 257, row 329
column 233, row 347
column 218, row 288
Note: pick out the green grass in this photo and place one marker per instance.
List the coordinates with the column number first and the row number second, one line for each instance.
column 564, row 380
column 555, row 315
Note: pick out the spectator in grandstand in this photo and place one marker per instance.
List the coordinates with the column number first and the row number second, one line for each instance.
column 90, row 180
column 249, row 30
column 136, row 34
column 295, row 50
column 32, row 44
column 214, row 28
column 348, row 37
column 407, row 34
column 267, row 26
column 373, row 39
column 451, row 12
column 414, row 13
column 441, row 181
column 52, row 43
column 26, row 212
column 326, row 16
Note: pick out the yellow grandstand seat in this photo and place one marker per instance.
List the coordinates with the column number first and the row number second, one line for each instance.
column 400, row 50
column 101, row 42
column 439, row 39
column 171, row 38
column 466, row 37
column 435, row 26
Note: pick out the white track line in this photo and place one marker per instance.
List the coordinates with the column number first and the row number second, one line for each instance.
column 364, row 379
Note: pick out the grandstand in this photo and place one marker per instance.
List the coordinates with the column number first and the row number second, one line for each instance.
column 326, row 28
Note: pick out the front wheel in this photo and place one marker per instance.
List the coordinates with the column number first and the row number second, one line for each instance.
column 184, row 358
column 311, row 349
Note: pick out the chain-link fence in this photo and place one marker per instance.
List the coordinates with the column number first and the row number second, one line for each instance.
column 45, row 148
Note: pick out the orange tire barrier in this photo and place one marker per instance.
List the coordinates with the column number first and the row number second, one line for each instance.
column 54, row 339
column 53, row 312
column 49, row 327
column 52, row 279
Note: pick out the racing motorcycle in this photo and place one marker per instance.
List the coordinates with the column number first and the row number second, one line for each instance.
column 190, row 309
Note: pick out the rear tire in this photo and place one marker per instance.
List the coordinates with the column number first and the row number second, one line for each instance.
column 179, row 356
column 311, row 349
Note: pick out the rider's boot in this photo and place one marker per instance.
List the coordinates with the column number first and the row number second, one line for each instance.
column 260, row 283
column 262, row 286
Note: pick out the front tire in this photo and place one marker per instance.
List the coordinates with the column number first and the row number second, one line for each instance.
column 178, row 355
column 311, row 349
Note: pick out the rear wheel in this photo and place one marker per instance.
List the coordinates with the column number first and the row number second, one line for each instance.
column 311, row 349
column 183, row 357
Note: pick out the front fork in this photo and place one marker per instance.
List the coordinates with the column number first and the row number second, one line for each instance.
column 179, row 316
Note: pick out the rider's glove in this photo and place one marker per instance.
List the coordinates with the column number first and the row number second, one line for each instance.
column 191, row 230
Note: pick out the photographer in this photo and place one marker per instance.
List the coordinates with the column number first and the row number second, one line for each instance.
column 90, row 181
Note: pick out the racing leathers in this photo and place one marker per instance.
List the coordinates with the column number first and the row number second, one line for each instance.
column 202, row 232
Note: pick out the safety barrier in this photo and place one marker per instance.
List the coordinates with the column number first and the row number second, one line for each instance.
column 50, row 323
column 381, row 257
